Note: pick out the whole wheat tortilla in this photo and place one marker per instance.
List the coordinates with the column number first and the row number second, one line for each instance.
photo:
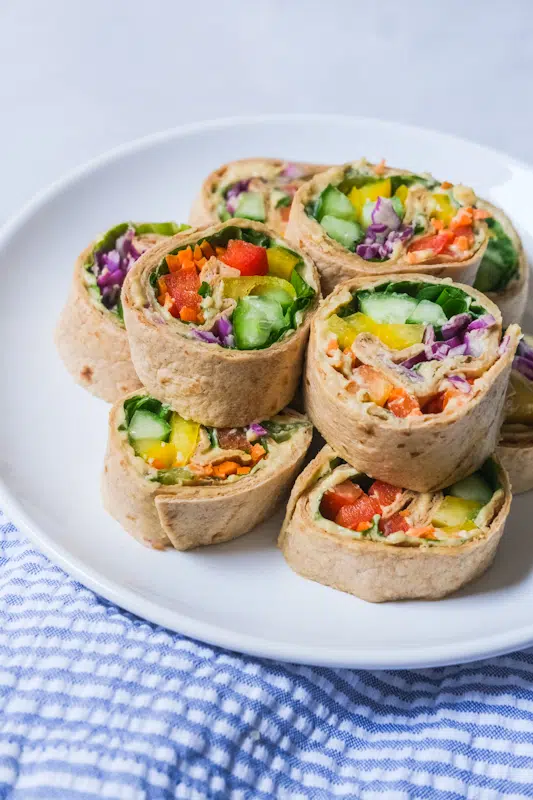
column 211, row 384
column 184, row 517
column 92, row 341
column 517, row 458
column 337, row 264
column 512, row 300
column 204, row 209
column 420, row 453
column 379, row 572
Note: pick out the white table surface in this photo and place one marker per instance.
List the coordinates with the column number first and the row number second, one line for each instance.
column 79, row 77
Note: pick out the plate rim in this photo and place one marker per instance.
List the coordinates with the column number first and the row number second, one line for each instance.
column 179, row 622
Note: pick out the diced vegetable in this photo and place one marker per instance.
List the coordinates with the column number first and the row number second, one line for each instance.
column 428, row 313
column 500, row 261
column 256, row 322
column 333, row 203
column 454, row 511
column 281, row 262
column 445, row 210
column 453, row 529
column 184, row 437
column 472, row 488
column 370, row 191
column 160, row 455
column 374, row 382
column 248, row 258
column 434, row 242
column 385, row 493
column 251, row 205
column 394, row 524
column 146, row 425
column 403, row 404
column 358, row 515
column 242, row 287
column 345, row 232
column 395, row 336
column 334, row 499
column 391, row 307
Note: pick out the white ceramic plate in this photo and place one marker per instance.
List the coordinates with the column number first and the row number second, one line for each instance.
column 240, row 595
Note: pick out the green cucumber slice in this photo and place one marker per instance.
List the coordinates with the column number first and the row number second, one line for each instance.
column 381, row 307
column 145, row 425
column 279, row 295
column 344, row 231
column 472, row 488
column 366, row 213
column 256, row 321
column 333, row 203
column 429, row 313
column 251, row 206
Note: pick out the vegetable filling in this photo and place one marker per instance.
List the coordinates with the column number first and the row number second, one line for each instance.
column 499, row 265
column 180, row 451
column 262, row 197
column 413, row 348
column 350, row 503
column 239, row 289
column 518, row 424
column 382, row 217
column 113, row 255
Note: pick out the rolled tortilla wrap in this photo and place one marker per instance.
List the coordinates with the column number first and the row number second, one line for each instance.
column 364, row 219
column 515, row 449
column 417, row 404
column 241, row 359
column 90, row 335
column 503, row 274
column 200, row 486
column 408, row 550
column 261, row 189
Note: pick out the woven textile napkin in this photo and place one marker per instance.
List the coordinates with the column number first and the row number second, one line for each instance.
column 96, row 703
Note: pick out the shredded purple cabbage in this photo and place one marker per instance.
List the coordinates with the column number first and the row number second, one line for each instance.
column 429, row 335
column 524, row 366
column 455, row 325
column 523, row 348
column 112, row 266
column 291, row 171
column 462, row 337
column 504, row 346
column 460, row 383
column 258, row 429
column 474, row 342
column 233, row 194
column 482, row 323
column 384, row 232
column 221, row 333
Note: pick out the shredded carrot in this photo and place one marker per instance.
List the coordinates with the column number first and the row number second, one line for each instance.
column 185, row 255
column 332, row 346
column 200, row 318
column 379, row 169
column 402, row 404
column 257, row 451
column 225, row 468
column 220, row 251
column 243, row 470
column 200, row 262
column 197, row 252
column 446, row 185
column 173, row 263
column 188, row 314
column 480, row 213
column 438, row 224
column 461, row 242
column 188, row 266
column 425, row 532
column 207, row 250
column 464, row 216
column 208, row 470
column 363, row 526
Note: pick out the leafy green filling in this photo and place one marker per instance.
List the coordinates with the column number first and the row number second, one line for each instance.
column 500, row 262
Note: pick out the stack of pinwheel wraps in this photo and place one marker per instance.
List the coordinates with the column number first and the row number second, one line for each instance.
column 383, row 304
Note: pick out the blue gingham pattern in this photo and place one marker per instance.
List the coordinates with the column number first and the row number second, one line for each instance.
column 95, row 703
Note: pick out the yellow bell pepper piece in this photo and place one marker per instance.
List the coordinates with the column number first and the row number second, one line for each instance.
column 183, row 438
column 281, row 262
column 255, row 284
column 466, row 526
column 160, row 455
column 444, row 208
column 402, row 192
column 394, row 335
column 455, row 511
column 371, row 191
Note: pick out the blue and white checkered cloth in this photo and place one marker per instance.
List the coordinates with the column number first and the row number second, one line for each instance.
column 95, row 703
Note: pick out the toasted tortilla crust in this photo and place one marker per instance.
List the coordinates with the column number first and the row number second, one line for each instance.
column 204, row 208
column 336, row 264
column 420, row 453
column 205, row 382
column 184, row 517
column 92, row 343
column 379, row 572
column 511, row 301
column 518, row 461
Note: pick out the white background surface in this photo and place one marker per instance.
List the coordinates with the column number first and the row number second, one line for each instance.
column 81, row 76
